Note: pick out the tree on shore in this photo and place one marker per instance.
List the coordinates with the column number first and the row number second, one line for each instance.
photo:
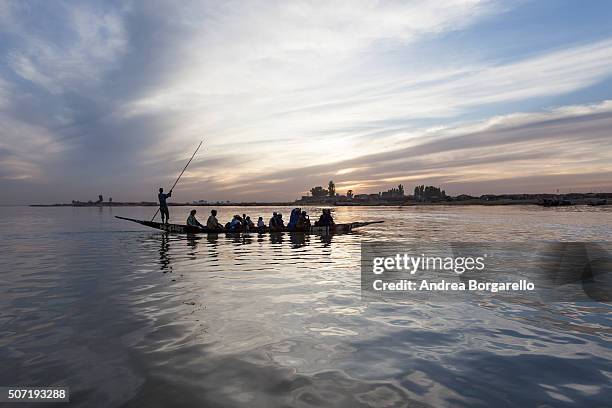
column 424, row 193
column 318, row 191
column 331, row 188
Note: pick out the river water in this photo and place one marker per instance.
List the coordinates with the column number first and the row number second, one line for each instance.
column 129, row 316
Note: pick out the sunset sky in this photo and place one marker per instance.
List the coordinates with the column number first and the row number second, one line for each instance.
column 111, row 97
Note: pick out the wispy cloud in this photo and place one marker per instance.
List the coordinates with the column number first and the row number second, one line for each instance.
column 113, row 96
column 478, row 157
column 89, row 43
column 346, row 117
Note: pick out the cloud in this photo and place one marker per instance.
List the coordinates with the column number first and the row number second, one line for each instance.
column 255, row 53
column 568, row 146
column 90, row 42
column 4, row 93
column 346, row 116
column 113, row 97
column 57, row 58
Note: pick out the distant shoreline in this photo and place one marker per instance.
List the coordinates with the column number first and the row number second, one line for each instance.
column 584, row 201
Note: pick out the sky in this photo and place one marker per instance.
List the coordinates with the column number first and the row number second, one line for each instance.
column 475, row 96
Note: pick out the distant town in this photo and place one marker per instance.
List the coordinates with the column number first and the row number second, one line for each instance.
column 423, row 194
column 396, row 196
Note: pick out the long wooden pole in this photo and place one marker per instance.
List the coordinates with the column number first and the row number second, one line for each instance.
column 179, row 177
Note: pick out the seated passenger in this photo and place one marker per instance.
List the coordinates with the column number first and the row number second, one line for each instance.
column 192, row 221
column 293, row 219
column 248, row 223
column 276, row 222
column 235, row 224
column 330, row 218
column 326, row 219
column 272, row 223
column 240, row 220
column 213, row 223
column 279, row 221
column 261, row 223
column 303, row 223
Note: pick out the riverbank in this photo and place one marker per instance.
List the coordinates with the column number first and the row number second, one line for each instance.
column 487, row 200
column 440, row 203
column 340, row 204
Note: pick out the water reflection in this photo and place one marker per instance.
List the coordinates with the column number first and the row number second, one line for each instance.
column 164, row 258
column 277, row 237
column 278, row 320
column 298, row 240
column 326, row 240
column 243, row 239
column 192, row 243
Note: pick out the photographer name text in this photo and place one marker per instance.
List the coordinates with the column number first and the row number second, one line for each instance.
column 409, row 264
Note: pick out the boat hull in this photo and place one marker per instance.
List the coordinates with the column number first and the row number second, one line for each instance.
column 188, row 229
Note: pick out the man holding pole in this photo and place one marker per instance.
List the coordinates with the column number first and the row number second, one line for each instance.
column 163, row 206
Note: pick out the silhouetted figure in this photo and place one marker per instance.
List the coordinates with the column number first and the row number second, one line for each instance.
column 326, row 219
column 273, row 224
column 163, row 206
column 213, row 223
column 192, row 221
column 280, row 223
column 276, row 222
column 293, row 219
column 236, row 224
column 303, row 223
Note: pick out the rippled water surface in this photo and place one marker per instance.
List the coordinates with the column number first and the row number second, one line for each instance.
column 130, row 316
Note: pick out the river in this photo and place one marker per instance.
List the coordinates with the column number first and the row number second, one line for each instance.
column 130, row 316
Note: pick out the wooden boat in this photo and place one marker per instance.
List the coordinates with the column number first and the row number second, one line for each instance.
column 188, row 229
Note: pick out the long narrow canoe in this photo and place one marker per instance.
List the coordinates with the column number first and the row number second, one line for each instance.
column 188, row 229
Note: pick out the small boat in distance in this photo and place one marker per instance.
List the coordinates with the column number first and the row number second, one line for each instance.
column 189, row 229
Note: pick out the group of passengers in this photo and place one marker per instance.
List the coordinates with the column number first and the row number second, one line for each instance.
column 298, row 221
column 239, row 223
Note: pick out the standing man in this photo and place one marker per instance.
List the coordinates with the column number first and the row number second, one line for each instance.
column 163, row 206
